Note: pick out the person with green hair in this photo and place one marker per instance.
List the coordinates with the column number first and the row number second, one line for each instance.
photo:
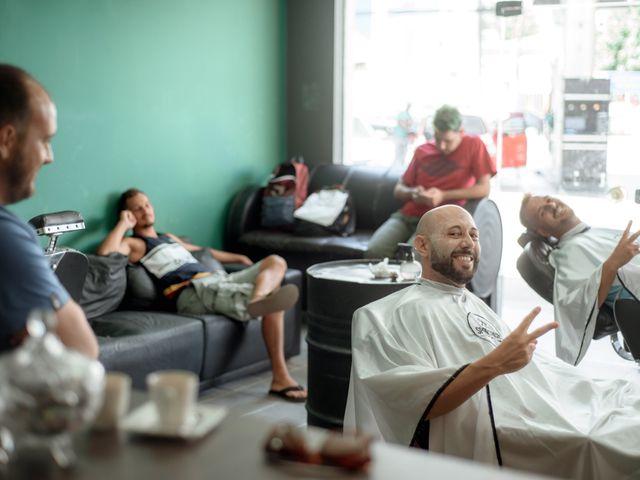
column 450, row 169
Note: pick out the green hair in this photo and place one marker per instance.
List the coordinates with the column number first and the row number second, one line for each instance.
column 447, row 119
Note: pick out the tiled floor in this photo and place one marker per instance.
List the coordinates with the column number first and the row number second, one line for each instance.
column 249, row 395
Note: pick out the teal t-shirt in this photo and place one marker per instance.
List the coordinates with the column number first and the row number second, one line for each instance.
column 613, row 293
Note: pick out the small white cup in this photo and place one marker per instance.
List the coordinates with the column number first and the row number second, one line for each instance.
column 174, row 394
column 116, row 396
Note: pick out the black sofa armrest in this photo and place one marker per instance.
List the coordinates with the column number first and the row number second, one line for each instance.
column 244, row 214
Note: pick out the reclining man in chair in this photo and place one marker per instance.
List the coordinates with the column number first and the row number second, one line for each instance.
column 243, row 295
column 592, row 267
column 27, row 123
column 435, row 368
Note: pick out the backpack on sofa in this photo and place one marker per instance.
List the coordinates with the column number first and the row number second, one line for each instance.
column 285, row 191
column 329, row 211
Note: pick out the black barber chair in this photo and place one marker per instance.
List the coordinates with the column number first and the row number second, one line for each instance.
column 534, row 267
column 69, row 265
column 626, row 312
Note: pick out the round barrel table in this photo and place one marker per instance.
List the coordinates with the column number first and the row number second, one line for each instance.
column 334, row 291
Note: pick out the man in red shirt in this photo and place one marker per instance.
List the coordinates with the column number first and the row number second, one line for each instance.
column 450, row 169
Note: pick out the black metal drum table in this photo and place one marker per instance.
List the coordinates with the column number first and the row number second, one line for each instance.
column 334, row 291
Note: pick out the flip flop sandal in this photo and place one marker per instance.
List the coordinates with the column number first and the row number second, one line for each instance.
column 278, row 300
column 283, row 394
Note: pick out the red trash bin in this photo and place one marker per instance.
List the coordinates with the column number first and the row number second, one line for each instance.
column 514, row 142
column 514, row 150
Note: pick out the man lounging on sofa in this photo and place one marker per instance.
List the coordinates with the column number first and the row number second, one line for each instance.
column 195, row 289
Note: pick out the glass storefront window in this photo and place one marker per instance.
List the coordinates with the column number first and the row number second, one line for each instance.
column 554, row 93
column 405, row 58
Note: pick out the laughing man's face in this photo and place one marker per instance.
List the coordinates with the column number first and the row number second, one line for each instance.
column 455, row 250
column 548, row 215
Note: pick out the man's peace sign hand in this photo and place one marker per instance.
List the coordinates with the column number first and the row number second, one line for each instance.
column 626, row 249
column 516, row 350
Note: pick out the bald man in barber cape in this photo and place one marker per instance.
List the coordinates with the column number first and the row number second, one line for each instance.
column 435, row 368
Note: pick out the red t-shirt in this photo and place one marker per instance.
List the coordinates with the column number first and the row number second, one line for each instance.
column 460, row 169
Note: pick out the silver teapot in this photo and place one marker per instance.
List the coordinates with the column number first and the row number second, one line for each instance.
column 47, row 392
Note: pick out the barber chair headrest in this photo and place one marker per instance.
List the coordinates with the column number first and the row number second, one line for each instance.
column 69, row 265
column 533, row 264
column 529, row 236
column 57, row 222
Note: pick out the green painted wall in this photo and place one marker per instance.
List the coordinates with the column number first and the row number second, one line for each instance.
column 183, row 99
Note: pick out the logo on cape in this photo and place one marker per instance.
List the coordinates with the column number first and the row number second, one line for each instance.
column 483, row 328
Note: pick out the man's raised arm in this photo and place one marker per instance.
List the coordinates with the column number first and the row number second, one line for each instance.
column 513, row 353
column 219, row 255
column 115, row 241
column 626, row 249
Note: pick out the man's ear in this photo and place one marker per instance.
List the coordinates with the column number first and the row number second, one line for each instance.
column 422, row 246
column 8, row 139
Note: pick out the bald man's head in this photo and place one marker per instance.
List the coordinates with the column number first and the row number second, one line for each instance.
column 433, row 217
column 448, row 241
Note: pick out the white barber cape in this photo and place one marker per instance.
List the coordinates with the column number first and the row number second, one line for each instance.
column 546, row 418
column 578, row 260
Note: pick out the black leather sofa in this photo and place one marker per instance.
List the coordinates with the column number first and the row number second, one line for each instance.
column 139, row 331
column 372, row 192
column 215, row 347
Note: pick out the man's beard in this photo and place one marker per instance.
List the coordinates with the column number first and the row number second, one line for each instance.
column 16, row 178
column 444, row 265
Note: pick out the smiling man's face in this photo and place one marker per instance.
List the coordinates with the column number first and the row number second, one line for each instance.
column 449, row 243
column 548, row 216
